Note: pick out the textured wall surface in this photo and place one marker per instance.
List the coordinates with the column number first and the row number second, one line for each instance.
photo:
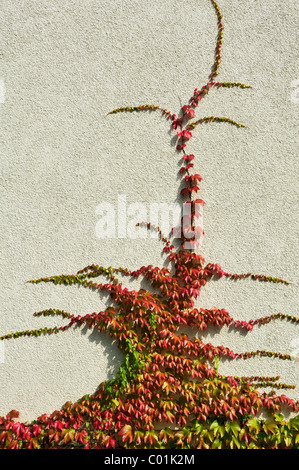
column 64, row 66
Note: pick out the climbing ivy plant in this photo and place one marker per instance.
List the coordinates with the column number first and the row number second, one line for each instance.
column 168, row 393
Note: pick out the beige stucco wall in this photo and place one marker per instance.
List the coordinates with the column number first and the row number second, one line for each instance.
column 64, row 66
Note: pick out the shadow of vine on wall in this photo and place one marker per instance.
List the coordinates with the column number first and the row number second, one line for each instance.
column 168, row 392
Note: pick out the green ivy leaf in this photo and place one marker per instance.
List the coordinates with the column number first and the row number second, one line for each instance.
column 253, row 425
column 236, row 442
column 270, row 427
column 217, row 444
column 232, row 426
column 217, row 428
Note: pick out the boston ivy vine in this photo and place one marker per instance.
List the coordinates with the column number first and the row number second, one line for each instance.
column 168, row 392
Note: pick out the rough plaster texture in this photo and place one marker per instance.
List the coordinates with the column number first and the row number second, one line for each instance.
column 64, row 66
